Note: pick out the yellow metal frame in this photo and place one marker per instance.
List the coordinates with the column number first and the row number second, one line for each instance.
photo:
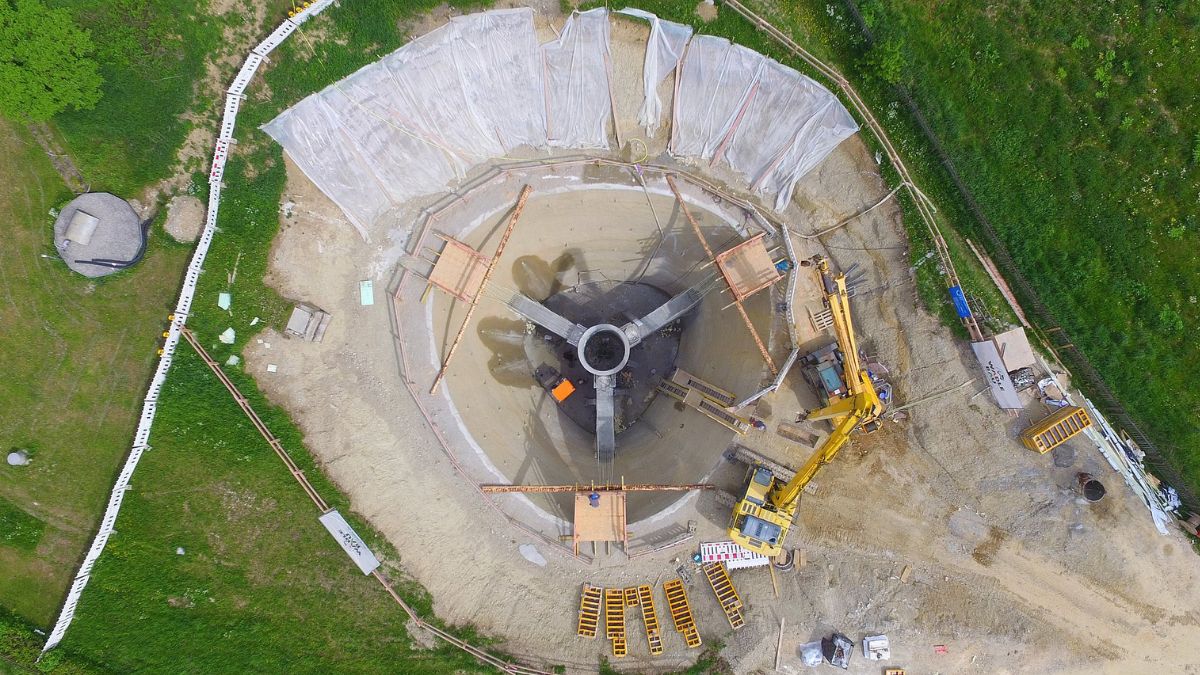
column 776, row 502
column 1056, row 429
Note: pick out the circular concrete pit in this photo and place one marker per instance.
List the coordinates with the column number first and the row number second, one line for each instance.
column 595, row 255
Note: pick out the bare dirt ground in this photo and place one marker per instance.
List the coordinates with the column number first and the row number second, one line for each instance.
column 1008, row 568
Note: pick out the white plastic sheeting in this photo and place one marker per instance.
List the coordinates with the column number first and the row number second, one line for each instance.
column 481, row 86
column 578, row 87
column 768, row 122
column 664, row 51
column 412, row 122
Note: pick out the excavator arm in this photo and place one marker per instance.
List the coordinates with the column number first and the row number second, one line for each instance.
column 762, row 518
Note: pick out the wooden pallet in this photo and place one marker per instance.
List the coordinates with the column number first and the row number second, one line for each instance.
column 681, row 612
column 589, row 612
column 650, row 618
column 712, row 409
column 614, row 619
column 727, row 595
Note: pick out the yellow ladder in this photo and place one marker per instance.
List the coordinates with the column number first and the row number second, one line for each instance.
column 650, row 618
column 589, row 612
column 614, row 619
column 681, row 612
column 727, row 595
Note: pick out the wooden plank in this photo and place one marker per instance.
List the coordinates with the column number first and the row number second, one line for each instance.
column 512, row 222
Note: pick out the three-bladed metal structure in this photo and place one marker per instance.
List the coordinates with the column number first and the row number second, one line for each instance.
column 603, row 349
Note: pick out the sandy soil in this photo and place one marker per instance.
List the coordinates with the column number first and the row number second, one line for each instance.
column 185, row 218
column 1007, row 567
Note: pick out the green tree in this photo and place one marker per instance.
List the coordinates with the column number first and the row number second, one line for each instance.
column 45, row 62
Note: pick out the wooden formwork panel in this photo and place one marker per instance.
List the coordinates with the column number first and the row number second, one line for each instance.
column 589, row 612
column 614, row 613
column 650, row 618
column 619, row 647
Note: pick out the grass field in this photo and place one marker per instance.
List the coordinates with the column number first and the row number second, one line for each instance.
column 1075, row 125
column 151, row 55
column 260, row 586
column 76, row 355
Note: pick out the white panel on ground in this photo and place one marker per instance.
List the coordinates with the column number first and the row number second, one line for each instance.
column 664, row 51
column 1001, row 384
column 350, row 542
column 578, row 94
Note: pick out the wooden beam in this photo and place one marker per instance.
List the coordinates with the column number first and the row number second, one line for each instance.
column 512, row 222
column 500, row 488
column 762, row 349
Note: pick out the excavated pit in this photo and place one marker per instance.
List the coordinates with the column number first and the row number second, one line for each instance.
column 565, row 246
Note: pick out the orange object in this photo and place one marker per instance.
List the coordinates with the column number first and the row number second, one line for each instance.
column 562, row 390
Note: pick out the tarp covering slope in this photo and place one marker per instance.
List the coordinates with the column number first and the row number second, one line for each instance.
column 481, row 86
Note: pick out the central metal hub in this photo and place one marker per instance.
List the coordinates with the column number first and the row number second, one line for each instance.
column 603, row 350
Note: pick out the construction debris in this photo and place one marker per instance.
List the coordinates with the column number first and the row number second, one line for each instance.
column 877, row 648
column 307, row 322
column 837, row 650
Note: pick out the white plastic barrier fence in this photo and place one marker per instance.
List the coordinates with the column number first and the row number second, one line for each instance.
column 141, row 437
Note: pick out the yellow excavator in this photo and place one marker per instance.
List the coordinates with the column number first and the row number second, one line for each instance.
column 762, row 517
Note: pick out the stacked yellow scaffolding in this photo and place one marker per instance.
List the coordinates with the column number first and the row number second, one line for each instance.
column 1056, row 429
column 631, row 596
column 727, row 595
column 614, row 620
column 589, row 612
column 650, row 618
column 681, row 612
